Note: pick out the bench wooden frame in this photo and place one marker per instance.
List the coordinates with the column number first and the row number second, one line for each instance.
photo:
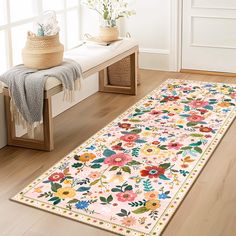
column 47, row 144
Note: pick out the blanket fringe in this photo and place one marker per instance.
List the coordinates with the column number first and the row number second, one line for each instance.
column 20, row 121
column 69, row 95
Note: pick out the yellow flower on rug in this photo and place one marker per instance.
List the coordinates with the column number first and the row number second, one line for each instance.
column 87, row 157
column 150, row 150
column 152, row 204
column 65, row 193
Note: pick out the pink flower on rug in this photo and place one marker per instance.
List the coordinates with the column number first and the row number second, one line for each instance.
column 154, row 112
column 185, row 89
column 128, row 221
column 233, row 95
column 56, row 176
column 198, row 103
column 127, row 196
column 94, row 175
column 174, row 145
column 119, row 159
column 129, row 137
column 195, row 118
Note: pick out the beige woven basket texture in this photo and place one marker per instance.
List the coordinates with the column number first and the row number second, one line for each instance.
column 42, row 52
column 120, row 72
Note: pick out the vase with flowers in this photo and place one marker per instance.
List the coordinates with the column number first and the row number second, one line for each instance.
column 110, row 11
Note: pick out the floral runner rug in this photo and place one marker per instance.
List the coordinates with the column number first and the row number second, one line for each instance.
column 131, row 176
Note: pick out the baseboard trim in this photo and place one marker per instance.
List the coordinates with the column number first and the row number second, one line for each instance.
column 204, row 72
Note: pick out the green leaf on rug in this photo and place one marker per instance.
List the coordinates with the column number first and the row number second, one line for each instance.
column 123, row 213
column 147, row 185
column 94, row 182
column 165, row 165
column 135, row 152
column 77, row 165
column 196, row 144
column 138, row 114
column 134, row 163
column 197, row 135
column 53, row 199
column 103, row 199
column 108, row 153
column 189, row 124
column 198, row 149
column 186, row 148
column 140, row 141
column 95, row 166
column 134, row 120
column 83, row 189
column 128, row 188
column 163, row 147
column 55, row 186
column 114, row 168
column 163, row 177
column 100, row 160
column 209, row 107
column 135, row 131
column 73, row 201
column 107, row 200
column 186, row 108
column 56, row 202
column 116, row 190
column 140, row 210
column 139, row 203
column 126, row 169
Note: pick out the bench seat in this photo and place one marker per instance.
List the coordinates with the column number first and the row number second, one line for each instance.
column 90, row 56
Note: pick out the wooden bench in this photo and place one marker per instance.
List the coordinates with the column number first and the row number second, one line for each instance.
column 93, row 59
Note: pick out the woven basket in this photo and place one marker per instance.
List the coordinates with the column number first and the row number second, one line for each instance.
column 42, row 52
column 120, row 72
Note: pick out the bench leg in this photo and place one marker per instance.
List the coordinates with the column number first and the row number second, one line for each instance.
column 132, row 90
column 47, row 144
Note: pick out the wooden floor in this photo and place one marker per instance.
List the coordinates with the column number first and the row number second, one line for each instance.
column 208, row 210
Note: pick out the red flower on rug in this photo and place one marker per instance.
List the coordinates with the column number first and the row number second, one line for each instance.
column 116, row 147
column 152, row 171
column 174, row 145
column 124, row 125
column 154, row 112
column 205, row 129
column 171, row 98
column 129, row 137
column 119, row 159
column 56, row 177
column 198, row 103
column 127, row 196
column 195, row 118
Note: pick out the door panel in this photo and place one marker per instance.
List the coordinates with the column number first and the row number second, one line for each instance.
column 209, row 35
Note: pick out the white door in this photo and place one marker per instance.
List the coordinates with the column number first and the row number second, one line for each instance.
column 209, row 35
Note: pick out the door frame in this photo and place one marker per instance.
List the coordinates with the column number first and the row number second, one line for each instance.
column 176, row 18
column 176, row 37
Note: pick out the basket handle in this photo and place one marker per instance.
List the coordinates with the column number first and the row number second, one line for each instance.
column 128, row 35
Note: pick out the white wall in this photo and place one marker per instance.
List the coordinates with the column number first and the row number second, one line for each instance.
column 151, row 27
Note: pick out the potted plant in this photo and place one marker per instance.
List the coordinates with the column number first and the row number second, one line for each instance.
column 110, row 11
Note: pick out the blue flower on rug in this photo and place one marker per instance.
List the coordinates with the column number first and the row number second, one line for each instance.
column 82, row 205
